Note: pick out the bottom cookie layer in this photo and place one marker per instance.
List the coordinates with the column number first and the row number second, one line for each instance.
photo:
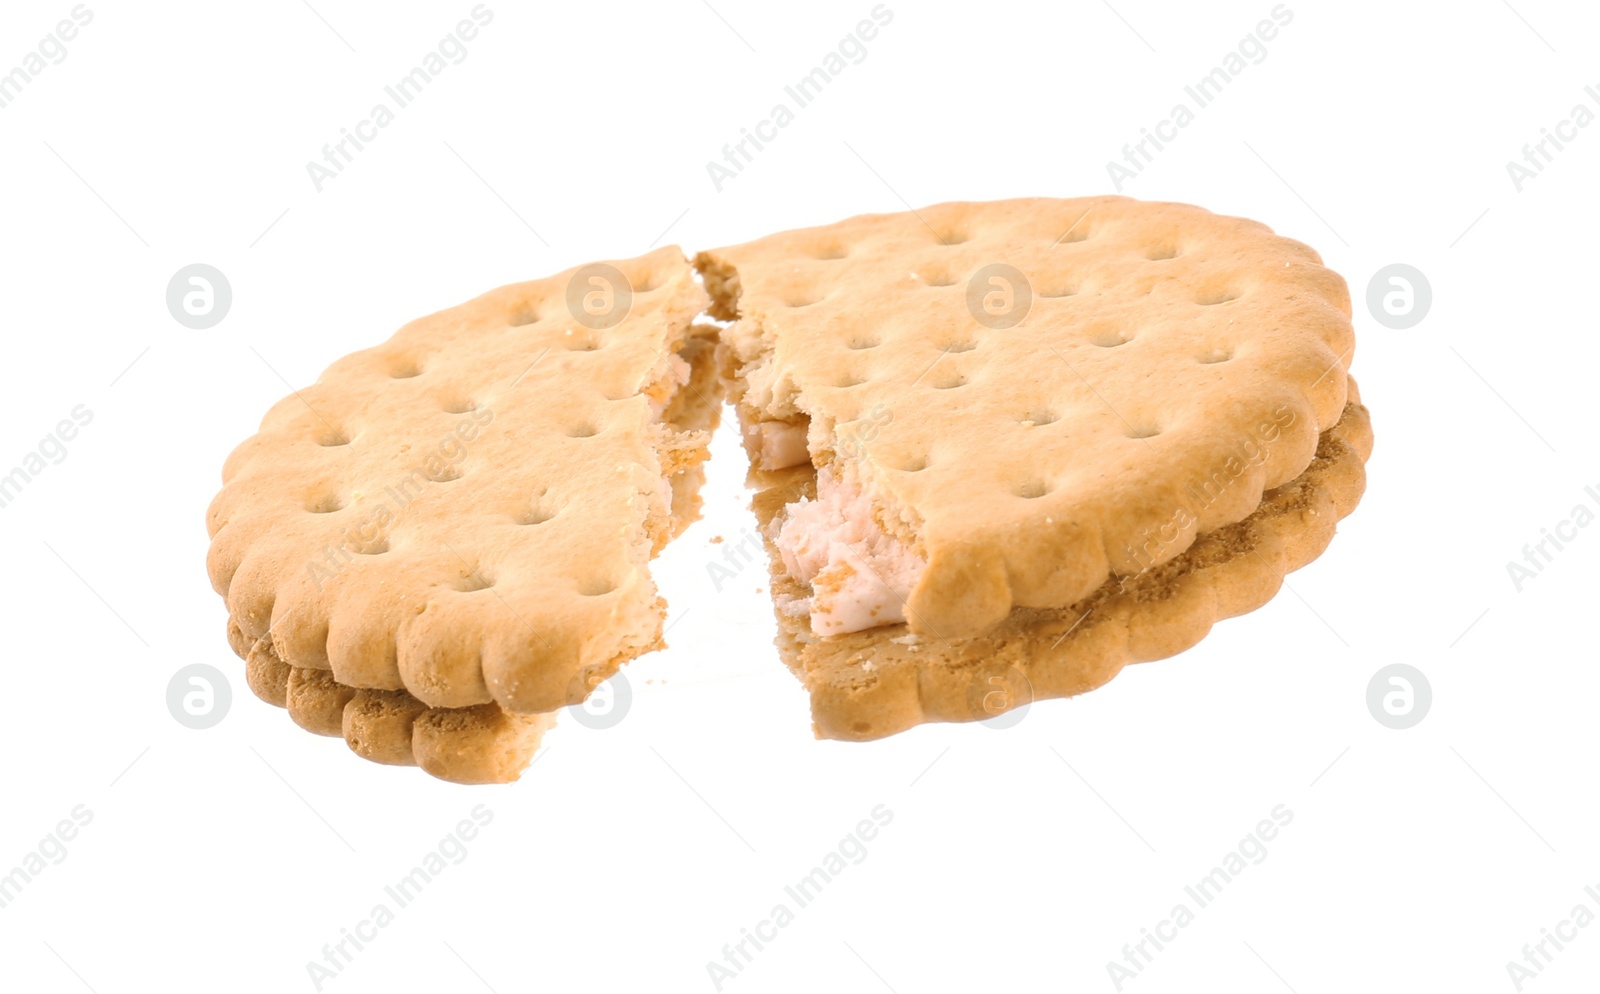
column 482, row 744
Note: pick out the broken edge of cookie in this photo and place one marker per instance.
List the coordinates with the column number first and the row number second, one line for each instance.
column 492, row 741
column 845, row 561
column 877, row 682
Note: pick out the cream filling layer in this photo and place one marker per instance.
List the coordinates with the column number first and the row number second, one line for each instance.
column 860, row 576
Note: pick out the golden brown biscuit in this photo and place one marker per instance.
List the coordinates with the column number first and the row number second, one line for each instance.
column 1004, row 449
column 873, row 683
column 1004, row 414
column 446, row 537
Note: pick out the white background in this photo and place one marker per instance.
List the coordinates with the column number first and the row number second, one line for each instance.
column 1020, row 859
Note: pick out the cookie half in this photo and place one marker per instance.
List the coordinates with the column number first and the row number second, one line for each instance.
column 446, row 538
column 978, row 425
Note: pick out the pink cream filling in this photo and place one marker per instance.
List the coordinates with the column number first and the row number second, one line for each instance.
column 860, row 576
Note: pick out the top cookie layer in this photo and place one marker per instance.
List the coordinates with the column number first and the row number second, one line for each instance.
column 1046, row 392
column 467, row 510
